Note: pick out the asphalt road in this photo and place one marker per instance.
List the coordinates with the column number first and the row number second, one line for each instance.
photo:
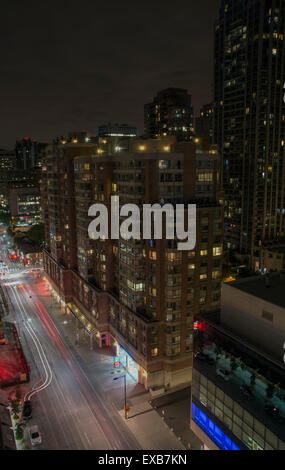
column 70, row 411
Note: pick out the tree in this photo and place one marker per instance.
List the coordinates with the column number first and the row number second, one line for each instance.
column 15, row 403
column 36, row 234
column 5, row 218
column 19, row 433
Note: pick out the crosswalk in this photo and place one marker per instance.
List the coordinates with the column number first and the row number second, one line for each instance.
column 8, row 270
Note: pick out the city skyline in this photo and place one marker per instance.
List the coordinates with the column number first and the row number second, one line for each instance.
column 142, row 227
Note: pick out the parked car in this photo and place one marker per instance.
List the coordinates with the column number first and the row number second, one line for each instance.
column 27, row 410
column 225, row 374
column 35, row 435
column 247, row 392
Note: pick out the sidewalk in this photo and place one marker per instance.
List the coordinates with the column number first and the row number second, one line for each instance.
column 144, row 422
column 149, row 426
column 175, row 409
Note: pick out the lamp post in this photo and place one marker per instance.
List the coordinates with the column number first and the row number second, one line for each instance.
column 125, row 392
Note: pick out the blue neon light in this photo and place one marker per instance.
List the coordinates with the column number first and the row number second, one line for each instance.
column 212, row 430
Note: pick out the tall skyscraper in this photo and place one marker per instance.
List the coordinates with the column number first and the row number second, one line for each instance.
column 249, row 122
column 170, row 113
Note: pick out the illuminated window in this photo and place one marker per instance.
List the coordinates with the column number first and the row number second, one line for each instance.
column 217, row 251
column 154, row 352
column 216, row 275
column 205, row 177
column 203, row 252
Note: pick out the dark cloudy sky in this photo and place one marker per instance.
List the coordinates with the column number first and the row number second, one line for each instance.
column 72, row 65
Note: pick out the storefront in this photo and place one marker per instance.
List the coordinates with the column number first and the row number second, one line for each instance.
column 127, row 361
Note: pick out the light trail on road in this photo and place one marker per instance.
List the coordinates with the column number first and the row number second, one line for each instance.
column 38, row 346
column 65, row 384
column 96, row 405
column 53, row 333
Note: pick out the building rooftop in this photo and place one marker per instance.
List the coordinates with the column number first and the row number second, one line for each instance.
column 270, row 288
column 232, row 389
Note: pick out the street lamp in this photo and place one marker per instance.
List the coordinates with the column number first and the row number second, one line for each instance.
column 125, row 392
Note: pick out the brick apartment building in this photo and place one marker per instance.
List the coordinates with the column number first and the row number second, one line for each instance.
column 138, row 296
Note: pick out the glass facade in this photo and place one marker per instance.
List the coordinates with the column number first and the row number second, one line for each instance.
column 212, row 430
column 245, row 426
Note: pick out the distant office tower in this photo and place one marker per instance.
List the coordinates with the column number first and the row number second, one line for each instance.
column 136, row 296
column 250, row 120
column 170, row 113
column 29, row 153
column 204, row 123
column 7, row 160
column 117, row 130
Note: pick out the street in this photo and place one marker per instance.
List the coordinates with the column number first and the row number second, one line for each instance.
column 71, row 411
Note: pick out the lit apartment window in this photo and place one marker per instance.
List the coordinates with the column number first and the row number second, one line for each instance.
column 205, row 177
column 203, row 277
column 152, row 291
column 216, row 275
column 217, row 251
column 154, row 352
column 152, row 255
column 174, row 256
column 203, row 252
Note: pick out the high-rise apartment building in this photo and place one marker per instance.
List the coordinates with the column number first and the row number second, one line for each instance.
column 137, row 296
column 170, row 113
column 249, row 123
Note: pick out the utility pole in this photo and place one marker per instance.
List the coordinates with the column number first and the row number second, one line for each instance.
column 125, row 393
column 125, row 387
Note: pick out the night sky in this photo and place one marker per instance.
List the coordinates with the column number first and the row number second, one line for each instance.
column 71, row 65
